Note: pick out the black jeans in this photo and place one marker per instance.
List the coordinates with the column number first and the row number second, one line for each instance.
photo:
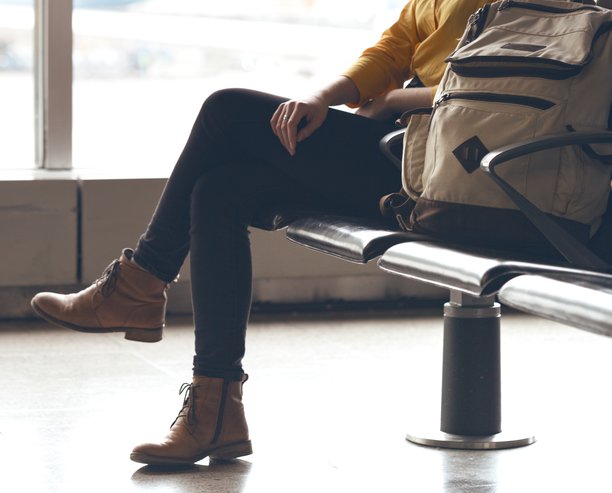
column 231, row 167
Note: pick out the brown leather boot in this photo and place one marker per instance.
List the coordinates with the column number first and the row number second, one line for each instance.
column 210, row 424
column 127, row 298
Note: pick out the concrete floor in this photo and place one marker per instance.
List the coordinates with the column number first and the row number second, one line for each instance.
column 329, row 401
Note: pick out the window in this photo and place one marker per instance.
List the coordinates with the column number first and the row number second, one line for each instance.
column 142, row 68
column 17, row 83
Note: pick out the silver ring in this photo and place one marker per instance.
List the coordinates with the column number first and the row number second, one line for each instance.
column 285, row 117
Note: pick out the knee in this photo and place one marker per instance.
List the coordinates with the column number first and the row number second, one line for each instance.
column 220, row 102
column 219, row 200
column 231, row 105
column 221, row 110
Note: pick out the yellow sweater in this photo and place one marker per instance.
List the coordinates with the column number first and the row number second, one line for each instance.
column 417, row 44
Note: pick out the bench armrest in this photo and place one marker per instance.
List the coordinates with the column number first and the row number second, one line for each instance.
column 389, row 142
column 574, row 251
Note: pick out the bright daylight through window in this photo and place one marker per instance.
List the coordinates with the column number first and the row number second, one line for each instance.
column 142, row 68
column 17, row 84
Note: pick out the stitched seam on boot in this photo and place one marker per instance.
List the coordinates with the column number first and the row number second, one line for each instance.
column 221, row 412
column 96, row 308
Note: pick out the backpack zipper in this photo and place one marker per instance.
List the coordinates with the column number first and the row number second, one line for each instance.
column 523, row 67
column 531, row 101
column 489, row 97
column 476, row 21
column 505, row 4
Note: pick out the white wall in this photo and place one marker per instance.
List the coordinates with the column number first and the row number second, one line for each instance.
column 39, row 219
column 38, row 228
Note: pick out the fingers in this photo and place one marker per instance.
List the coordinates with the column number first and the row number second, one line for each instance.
column 289, row 124
column 284, row 125
column 287, row 118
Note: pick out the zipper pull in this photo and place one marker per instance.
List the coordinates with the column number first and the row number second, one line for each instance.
column 473, row 25
column 436, row 104
column 504, row 5
column 441, row 99
column 473, row 19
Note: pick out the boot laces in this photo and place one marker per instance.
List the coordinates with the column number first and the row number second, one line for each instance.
column 107, row 282
column 188, row 409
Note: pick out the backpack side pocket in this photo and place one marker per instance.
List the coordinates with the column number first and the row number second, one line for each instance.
column 413, row 156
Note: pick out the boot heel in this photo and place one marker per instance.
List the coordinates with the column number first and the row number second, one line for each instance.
column 144, row 335
column 232, row 451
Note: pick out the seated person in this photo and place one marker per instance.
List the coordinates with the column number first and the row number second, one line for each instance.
column 248, row 151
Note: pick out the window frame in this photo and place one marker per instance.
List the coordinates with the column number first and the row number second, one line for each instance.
column 53, row 84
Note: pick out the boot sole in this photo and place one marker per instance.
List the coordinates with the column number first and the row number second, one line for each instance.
column 224, row 453
column 131, row 333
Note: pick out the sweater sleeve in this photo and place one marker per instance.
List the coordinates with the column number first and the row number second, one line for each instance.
column 387, row 64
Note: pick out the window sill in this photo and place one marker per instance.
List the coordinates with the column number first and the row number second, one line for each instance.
column 81, row 174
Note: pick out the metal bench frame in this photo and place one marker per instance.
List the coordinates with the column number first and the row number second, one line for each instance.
column 470, row 414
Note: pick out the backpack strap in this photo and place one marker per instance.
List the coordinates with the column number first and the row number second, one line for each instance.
column 574, row 251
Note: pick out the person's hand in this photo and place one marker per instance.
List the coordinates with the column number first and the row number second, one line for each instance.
column 295, row 120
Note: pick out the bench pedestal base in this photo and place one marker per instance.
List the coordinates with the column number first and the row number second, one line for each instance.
column 501, row 440
column 470, row 415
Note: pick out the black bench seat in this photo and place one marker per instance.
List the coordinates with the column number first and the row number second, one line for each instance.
column 471, row 271
column 353, row 239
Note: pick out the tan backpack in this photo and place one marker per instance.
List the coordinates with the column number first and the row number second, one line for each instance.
column 522, row 69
